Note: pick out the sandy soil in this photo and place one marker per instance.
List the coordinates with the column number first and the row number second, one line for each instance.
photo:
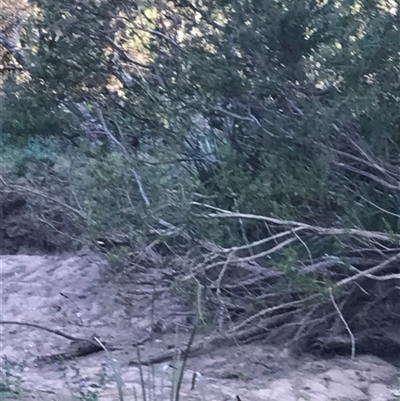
column 73, row 294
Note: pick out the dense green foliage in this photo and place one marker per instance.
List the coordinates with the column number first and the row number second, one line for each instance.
column 290, row 107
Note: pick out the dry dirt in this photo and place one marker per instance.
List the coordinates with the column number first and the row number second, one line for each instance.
column 72, row 294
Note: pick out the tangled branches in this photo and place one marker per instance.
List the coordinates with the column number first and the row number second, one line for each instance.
column 330, row 301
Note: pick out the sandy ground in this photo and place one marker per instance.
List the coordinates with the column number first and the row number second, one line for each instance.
column 72, row 294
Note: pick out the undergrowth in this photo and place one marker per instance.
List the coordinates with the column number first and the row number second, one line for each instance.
column 156, row 384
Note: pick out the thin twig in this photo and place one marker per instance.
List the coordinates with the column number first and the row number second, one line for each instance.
column 245, row 259
column 272, row 309
column 353, row 341
column 321, row 230
column 19, row 188
column 125, row 153
column 56, row 332
column 222, row 307
column 372, row 270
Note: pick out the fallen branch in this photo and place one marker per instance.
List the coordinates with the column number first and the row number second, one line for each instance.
column 352, row 339
column 370, row 271
column 79, row 347
column 19, row 188
column 56, row 332
column 320, row 230
column 226, row 339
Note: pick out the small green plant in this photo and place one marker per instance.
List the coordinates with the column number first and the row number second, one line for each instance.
column 10, row 379
column 83, row 387
column 166, row 386
column 194, row 293
column 177, row 368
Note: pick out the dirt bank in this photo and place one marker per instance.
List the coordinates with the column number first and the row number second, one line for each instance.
column 72, row 294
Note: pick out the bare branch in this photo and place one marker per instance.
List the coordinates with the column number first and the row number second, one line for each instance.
column 353, row 341
column 320, row 230
column 270, row 310
column 373, row 177
column 125, row 152
column 372, row 270
column 19, row 188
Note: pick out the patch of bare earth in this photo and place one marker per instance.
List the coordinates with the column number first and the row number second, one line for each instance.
column 73, row 296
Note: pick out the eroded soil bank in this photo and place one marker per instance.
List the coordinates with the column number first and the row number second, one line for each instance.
column 72, row 294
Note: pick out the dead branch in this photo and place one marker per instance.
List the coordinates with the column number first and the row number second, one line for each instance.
column 373, row 177
column 53, row 331
column 125, row 152
column 21, row 189
column 228, row 338
column 372, row 270
column 270, row 310
column 320, row 230
column 353, row 342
